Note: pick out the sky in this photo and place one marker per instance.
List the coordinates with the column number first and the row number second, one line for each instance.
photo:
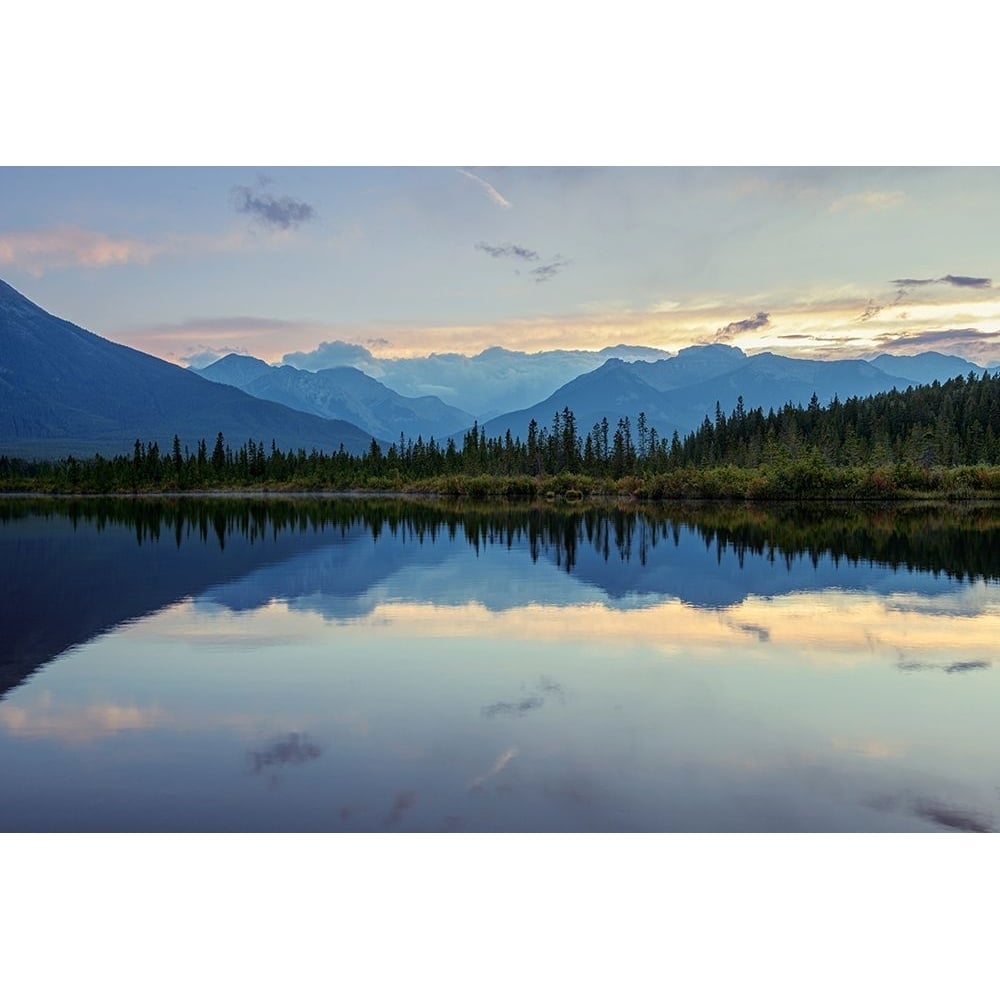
column 191, row 263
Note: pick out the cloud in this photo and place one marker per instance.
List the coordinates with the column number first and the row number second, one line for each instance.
column 330, row 354
column 507, row 250
column 275, row 212
column 545, row 272
column 868, row 200
column 758, row 322
column 36, row 251
column 963, row 341
column 871, row 311
column 494, row 195
column 956, row 280
column 963, row 281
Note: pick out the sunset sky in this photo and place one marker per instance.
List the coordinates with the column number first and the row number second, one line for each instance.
column 191, row 263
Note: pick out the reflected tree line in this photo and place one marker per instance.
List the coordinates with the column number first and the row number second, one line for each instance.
column 962, row 541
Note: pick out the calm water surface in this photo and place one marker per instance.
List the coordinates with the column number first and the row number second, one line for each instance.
column 382, row 665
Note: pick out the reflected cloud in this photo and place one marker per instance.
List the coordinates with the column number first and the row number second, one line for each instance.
column 405, row 800
column 874, row 749
column 827, row 628
column 77, row 723
column 548, row 686
column 760, row 633
column 958, row 667
column 292, row 749
column 512, row 707
column 498, row 765
column 953, row 819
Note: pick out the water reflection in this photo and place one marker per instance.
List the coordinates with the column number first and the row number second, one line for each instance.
column 383, row 664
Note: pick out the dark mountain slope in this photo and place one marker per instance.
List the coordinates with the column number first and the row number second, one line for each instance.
column 64, row 390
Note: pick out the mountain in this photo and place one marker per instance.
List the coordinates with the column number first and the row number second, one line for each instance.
column 692, row 364
column 494, row 381
column 64, row 390
column 927, row 367
column 614, row 390
column 692, row 383
column 342, row 393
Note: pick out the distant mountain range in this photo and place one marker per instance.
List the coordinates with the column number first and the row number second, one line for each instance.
column 344, row 394
column 677, row 394
column 492, row 382
column 65, row 391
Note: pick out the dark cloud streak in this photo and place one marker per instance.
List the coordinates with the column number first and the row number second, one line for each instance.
column 498, row 250
column 545, row 272
column 275, row 212
column 758, row 322
column 512, row 707
column 956, row 280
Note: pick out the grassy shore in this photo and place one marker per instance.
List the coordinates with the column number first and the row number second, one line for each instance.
column 786, row 481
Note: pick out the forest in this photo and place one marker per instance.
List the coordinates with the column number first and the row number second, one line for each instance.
column 939, row 439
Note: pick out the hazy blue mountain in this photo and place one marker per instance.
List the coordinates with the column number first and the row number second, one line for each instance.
column 64, row 390
column 342, row 393
column 927, row 367
column 694, row 382
column 692, row 364
column 614, row 390
column 494, row 381
column 770, row 380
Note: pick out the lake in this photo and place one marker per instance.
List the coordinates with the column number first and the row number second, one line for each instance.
column 318, row 664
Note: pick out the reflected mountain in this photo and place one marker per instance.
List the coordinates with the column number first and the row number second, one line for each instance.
column 75, row 569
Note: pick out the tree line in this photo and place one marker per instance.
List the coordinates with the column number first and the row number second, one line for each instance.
column 913, row 438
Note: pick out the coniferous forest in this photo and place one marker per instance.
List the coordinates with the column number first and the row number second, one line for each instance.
column 938, row 439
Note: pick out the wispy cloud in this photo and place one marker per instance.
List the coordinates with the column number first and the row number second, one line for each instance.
column 292, row 749
column 512, row 707
column 545, row 272
column 962, row 341
column 274, row 212
column 494, row 195
column 868, row 200
column 758, row 322
column 956, row 280
column 496, row 250
column 871, row 311
column 36, row 251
